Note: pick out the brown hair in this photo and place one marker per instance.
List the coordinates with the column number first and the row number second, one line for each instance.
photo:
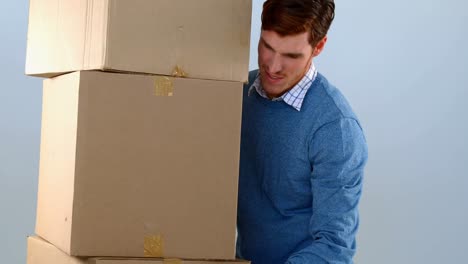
column 292, row 17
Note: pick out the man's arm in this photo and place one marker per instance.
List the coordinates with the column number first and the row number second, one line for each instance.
column 338, row 153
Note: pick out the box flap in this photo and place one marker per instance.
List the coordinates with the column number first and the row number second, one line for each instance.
column 96, row 34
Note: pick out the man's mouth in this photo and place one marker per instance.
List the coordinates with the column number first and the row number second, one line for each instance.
column 273, row 78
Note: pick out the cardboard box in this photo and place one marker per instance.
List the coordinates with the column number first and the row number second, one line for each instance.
column 206, row 39
column 42, row 252
column 124, row 165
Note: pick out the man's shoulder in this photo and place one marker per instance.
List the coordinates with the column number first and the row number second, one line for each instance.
column 252, row 76
column 330, row 99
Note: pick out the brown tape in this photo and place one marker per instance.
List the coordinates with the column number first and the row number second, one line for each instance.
column 178, row 72
column 163, row 86
column 172, row 261
column 153, row 246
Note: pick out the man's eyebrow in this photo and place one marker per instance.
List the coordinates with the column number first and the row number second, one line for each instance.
column 293, row 55
column 266, row 43
column 289, row 54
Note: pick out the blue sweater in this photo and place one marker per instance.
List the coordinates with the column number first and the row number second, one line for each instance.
column 300, row 178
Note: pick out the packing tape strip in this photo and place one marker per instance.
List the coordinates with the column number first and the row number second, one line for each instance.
column 172, row 261
column 153, row 246
column 178, row 72
column 163, row 86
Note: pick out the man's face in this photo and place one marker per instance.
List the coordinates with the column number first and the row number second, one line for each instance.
column 283, row 61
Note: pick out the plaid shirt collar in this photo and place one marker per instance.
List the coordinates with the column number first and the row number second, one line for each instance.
column 295, row 96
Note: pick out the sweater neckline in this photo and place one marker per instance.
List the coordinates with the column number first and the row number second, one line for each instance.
column 282, row 104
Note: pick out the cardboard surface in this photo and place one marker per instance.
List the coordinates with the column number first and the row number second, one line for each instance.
column 207, row 39
column 121, row 165
column 42, row 252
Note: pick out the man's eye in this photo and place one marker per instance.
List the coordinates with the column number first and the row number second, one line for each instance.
column 268, row 47
column 293, row 56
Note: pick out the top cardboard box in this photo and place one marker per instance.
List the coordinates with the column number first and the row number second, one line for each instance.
column 203, row 39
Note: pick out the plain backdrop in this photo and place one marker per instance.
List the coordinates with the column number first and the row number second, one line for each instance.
column 403, row 65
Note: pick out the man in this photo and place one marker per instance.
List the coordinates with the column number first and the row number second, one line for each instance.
column 303, row 151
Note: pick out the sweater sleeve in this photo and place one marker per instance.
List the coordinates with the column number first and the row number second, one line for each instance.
column 338, row 154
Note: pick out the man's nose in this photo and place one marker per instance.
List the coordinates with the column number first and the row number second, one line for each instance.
column 275, row 64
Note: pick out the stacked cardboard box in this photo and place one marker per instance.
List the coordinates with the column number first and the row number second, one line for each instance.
column 40, row 251
column 140, row 128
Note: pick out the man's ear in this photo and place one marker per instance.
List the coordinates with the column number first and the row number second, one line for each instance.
column 319, row 47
